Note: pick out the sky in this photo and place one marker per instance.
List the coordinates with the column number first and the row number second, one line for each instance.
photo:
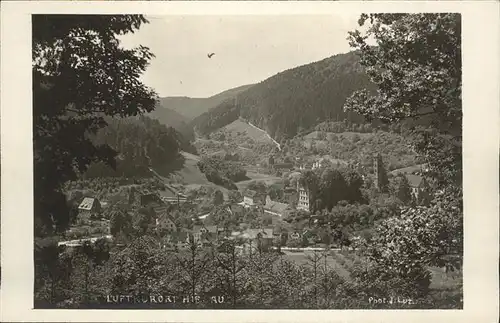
column 248, row 49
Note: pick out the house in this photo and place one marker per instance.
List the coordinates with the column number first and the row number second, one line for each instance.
column 256, row 239
column 173, row 195
column 143, row 197
column 306, row 166
column 166, row 223
column 318, row 164
column 417, row 184
column 90, row 207
column 202, row 234
column 168, row 241
column 252, row 198
column 328, row 160
column 304, row 198
column 159, row 209
column 280, row 232
column 310, row 236
column 275, row 208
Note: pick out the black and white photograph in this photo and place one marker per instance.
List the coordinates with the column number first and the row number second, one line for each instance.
column 247, row 162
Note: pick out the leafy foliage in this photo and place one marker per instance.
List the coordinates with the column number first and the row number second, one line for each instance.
column 217, row 198
column 405, row 245
column 402, row 190
column 416, row 66
column 120, row 222
column 80, row 74
column 141, row 143
column 222, row 172
column 417, row 69
column 328, row 186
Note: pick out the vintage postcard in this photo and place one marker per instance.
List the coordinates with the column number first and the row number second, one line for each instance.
column 195, row 161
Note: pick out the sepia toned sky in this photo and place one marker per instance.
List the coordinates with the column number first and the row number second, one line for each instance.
column 248, row 49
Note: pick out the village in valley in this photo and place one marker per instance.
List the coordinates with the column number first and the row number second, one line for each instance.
column 274, row 234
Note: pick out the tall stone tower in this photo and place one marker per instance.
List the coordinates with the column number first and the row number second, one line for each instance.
column 271, row 160
column 381, row 180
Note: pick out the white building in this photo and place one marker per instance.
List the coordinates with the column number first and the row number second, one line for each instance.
column 304, row 198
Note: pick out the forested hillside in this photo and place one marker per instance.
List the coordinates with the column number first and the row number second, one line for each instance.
column 193, row 107
column 295, row 99
column 140, row 143
column 171, row 118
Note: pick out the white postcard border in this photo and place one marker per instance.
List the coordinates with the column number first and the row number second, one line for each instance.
column 481, row 152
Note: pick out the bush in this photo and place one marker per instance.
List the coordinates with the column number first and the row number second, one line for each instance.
column 382, row 282
column 226, row 169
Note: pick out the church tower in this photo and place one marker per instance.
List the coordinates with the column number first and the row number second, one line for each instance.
column 270, row 161
column 381, row 179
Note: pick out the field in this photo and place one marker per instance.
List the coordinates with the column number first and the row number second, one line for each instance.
column 267, row 179
column 190, row 177
column 190, row 173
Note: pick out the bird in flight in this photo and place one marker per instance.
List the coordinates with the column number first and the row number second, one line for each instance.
column 210, row 55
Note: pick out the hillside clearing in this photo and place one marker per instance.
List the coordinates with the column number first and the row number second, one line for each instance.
column 190, row 176
column 252, row 132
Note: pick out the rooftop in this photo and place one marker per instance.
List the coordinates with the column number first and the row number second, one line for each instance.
column 165, row 216
column 209, row 228
column 409, row 170
column 250, row 193
column 253, row 233
column 87, row 203
column 414, row 180
column 274, row 206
